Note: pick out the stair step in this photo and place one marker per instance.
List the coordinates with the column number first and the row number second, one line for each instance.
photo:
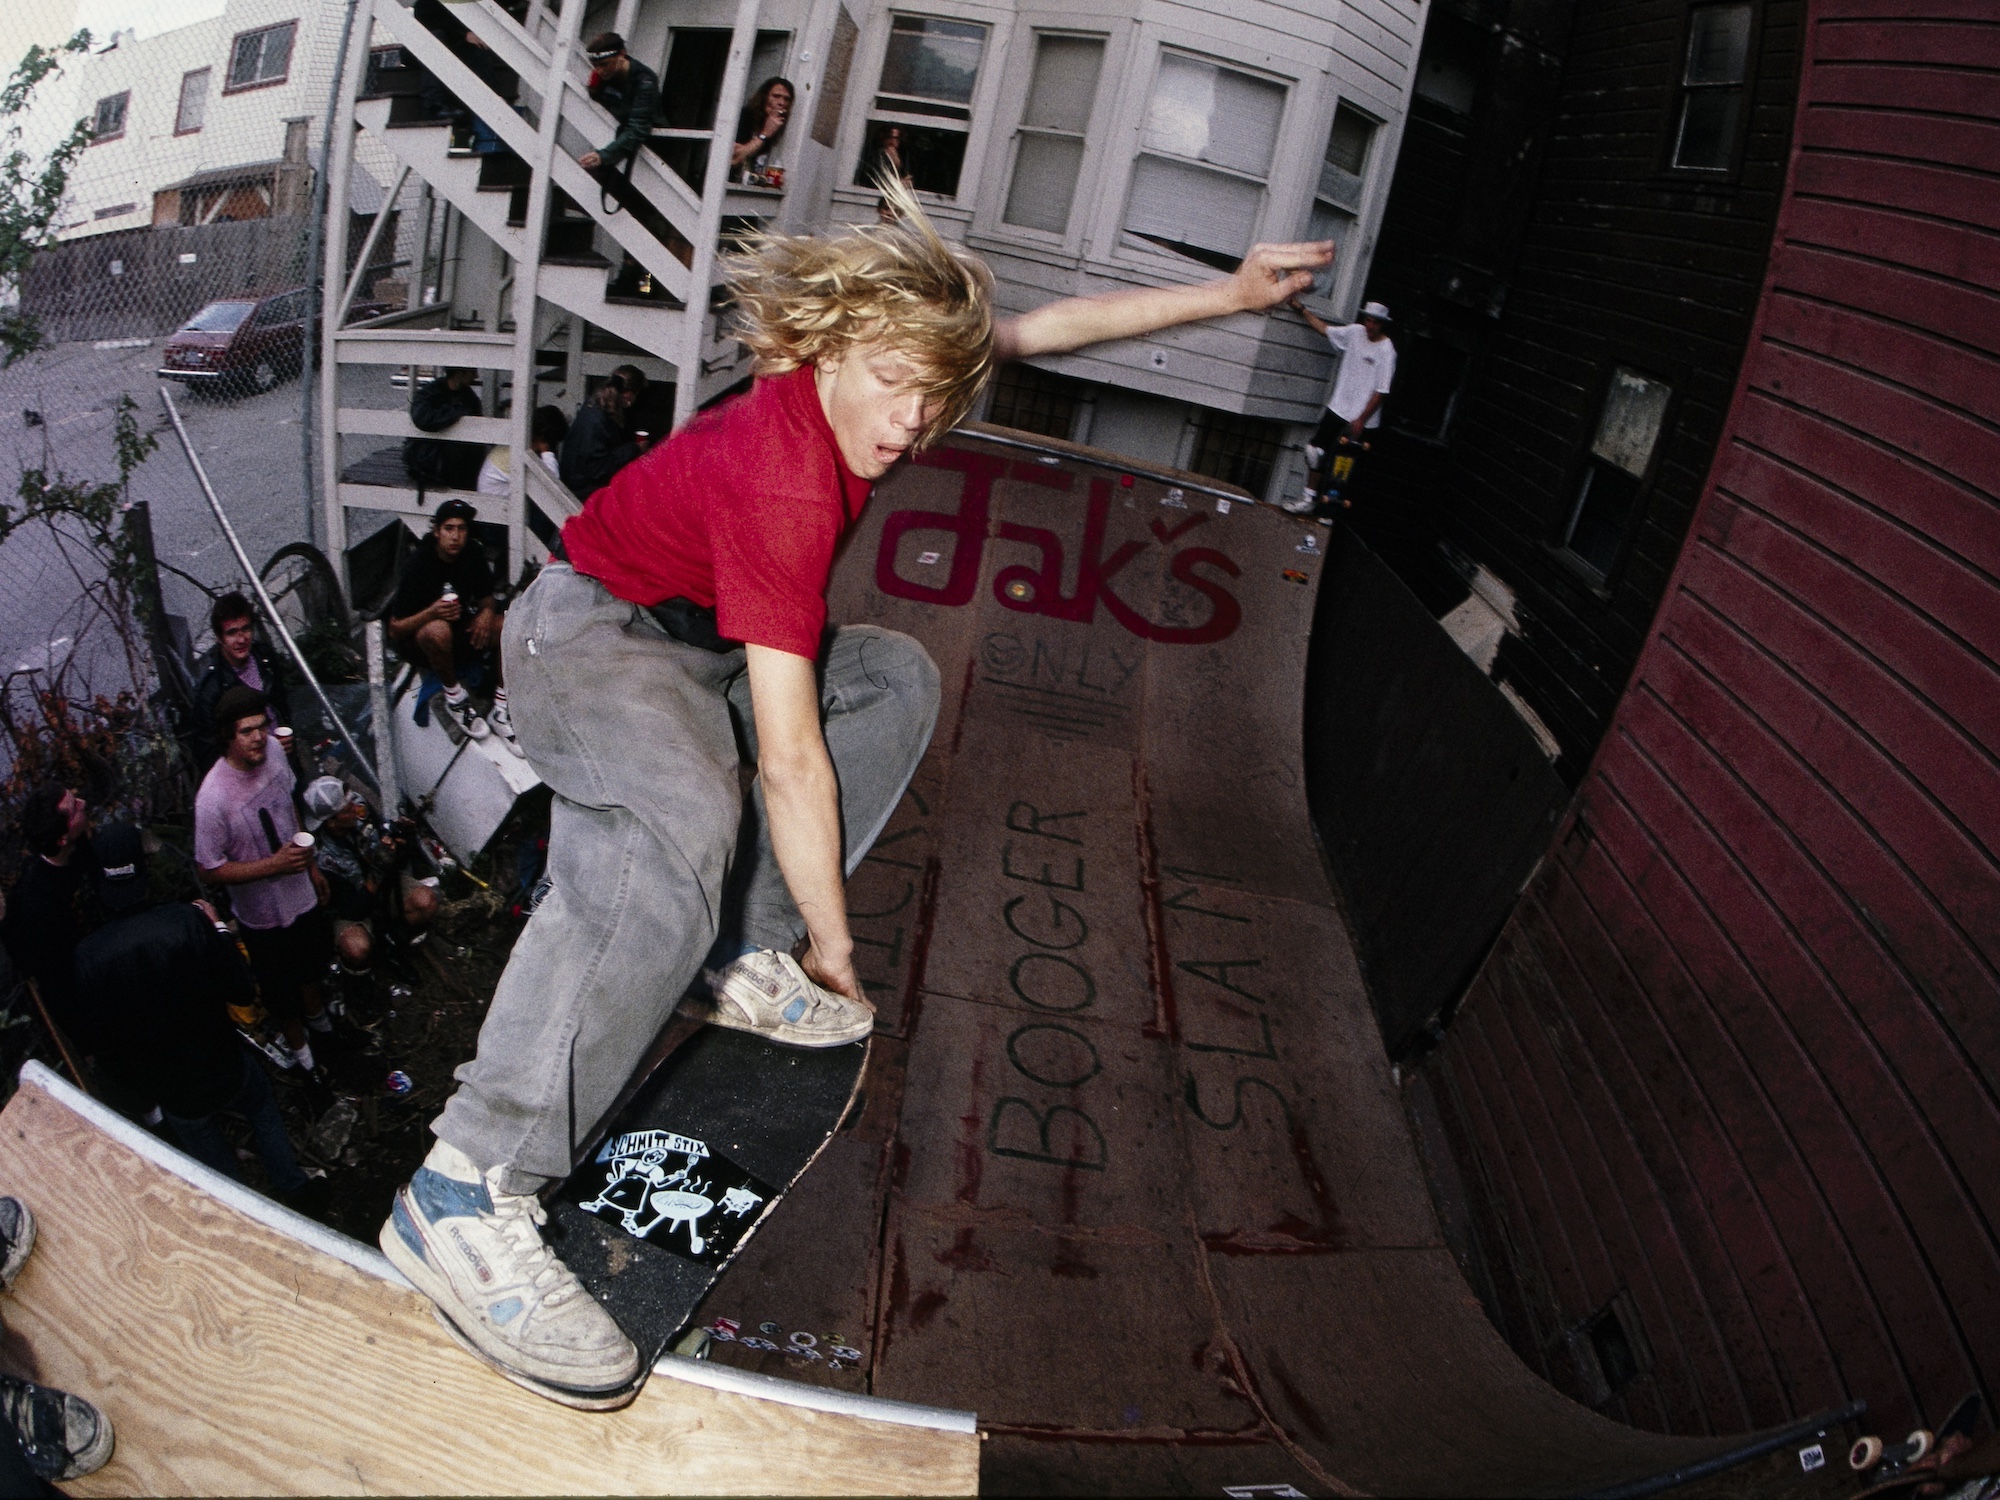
column 579, row 258
column 664, row 303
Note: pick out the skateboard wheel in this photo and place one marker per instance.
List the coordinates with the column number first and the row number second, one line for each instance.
column 1865, row 1454
column 1916, row 1445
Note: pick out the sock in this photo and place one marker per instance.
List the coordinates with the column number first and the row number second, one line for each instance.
column 499, row 697
column 456, row 695
column 304, row 1056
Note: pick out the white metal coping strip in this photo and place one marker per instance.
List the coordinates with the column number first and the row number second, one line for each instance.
column 317, row 1236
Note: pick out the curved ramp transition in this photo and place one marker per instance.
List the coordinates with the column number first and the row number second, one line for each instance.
column 241, row 1349
column 1133, row 1178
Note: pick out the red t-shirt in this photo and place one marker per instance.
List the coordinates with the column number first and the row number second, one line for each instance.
column 740, row 511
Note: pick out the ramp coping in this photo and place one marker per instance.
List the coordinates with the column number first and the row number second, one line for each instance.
column 371, row 1262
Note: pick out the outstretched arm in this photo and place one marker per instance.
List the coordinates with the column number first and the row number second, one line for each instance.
column 1268, row 275
column 1319, row 325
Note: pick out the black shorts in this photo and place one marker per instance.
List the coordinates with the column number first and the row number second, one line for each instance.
column 287, row 957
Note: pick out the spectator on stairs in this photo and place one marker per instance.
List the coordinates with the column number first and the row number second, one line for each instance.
column 546, row 431
column 599, row 444
column 440, row 463
column 446, row 617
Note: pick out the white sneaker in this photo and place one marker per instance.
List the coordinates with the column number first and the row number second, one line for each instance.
column 502, row 724
column 769, row 994
column 477, row 1253
column 465, row 717
column 1303, row 506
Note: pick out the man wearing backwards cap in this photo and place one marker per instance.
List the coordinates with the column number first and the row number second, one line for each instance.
column 160, row 980
column 446, row 616
column 1367, row 368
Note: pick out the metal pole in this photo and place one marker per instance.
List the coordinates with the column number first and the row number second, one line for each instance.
column 257, row 584
column 385, row 740
column 313, row 272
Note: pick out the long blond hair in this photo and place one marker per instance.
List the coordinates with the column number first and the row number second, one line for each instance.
column 801, row 299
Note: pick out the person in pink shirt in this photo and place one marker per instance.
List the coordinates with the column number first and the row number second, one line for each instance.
column 687, row 617
column 244, row 826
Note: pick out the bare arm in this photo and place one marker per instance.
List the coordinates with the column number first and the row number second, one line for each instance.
column 1360, row 424
column 1319, row 325
column 802, row 799
column 1269, row 274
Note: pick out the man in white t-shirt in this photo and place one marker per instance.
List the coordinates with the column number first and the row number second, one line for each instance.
column 1360, row 385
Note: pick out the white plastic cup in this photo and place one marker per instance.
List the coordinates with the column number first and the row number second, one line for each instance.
column 303, row 839
column 284, row 738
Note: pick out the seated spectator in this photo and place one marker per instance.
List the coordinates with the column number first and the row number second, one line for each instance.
column 761, row 123
column 43, row 923
column 160, row 981
column 546, row 432
column 598, row 444
column 445, row 618
column 356, row 860
column 49, row 1434
column 244, row 826
column 440, row 463
column 236, row 658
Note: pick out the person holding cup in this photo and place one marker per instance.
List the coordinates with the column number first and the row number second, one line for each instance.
column 245, row 837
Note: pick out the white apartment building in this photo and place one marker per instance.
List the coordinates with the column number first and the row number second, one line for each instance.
column 211, row 121
column 1079, row 149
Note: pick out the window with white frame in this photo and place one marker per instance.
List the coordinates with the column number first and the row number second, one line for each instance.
column 1048, row 148
column 923, row 107
column 1615, row 469
column 194, row 102
column 108, row 123
column 1198, row 184
column 1343, row 173
column 261, row 57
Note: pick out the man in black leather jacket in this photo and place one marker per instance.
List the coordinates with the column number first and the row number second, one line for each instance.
column 158, row 981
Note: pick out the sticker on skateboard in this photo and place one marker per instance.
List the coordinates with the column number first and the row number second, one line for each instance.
column 671, row 1190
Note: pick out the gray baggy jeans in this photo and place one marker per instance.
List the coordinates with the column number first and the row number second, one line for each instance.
column 653, row 849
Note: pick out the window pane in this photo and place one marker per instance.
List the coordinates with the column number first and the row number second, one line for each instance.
column 1035, row 401
column 1719, row 44
column 278, row 50
column 1329, row 221
column 1347, row 144
column 932, row 157
column 243, row 61
column 1065, row 83
column 1708, row 129
column 1236, row 450
column 1634, row 408
column 110, row 118
column 1179, row 205
column 933, row 59
column 194, row 101
column 1213, row 114
column 1603, row 508
column 1045, row 168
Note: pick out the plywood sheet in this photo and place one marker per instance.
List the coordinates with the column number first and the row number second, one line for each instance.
column 233, row 1360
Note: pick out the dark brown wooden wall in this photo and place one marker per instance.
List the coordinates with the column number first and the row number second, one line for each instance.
column 1540, row 234
column 1737, row 1053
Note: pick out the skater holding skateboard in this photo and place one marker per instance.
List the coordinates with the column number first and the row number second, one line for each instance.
column 682, row 627
column 1354, row 408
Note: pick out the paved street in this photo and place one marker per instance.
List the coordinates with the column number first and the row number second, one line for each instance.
column 249, row 444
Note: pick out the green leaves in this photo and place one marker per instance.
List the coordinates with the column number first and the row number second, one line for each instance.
column 31, row 192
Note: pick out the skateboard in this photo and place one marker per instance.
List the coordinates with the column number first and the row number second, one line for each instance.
column 1340, row 463
column 717, row 1129
column 1919, row 1457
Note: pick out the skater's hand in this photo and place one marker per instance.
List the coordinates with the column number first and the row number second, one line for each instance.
column 840, row 977
column 1271, row 274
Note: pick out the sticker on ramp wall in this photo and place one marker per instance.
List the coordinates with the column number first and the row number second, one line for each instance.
column 670, row 1190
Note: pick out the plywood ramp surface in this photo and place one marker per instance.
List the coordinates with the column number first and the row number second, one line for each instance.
column 235, row 1360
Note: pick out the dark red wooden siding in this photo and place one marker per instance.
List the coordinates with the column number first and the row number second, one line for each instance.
column 1738, row 1052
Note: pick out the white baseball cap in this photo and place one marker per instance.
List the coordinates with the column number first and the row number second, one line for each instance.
column 324, row 797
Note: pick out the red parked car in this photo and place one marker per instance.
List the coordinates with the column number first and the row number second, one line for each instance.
column 247, row 343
